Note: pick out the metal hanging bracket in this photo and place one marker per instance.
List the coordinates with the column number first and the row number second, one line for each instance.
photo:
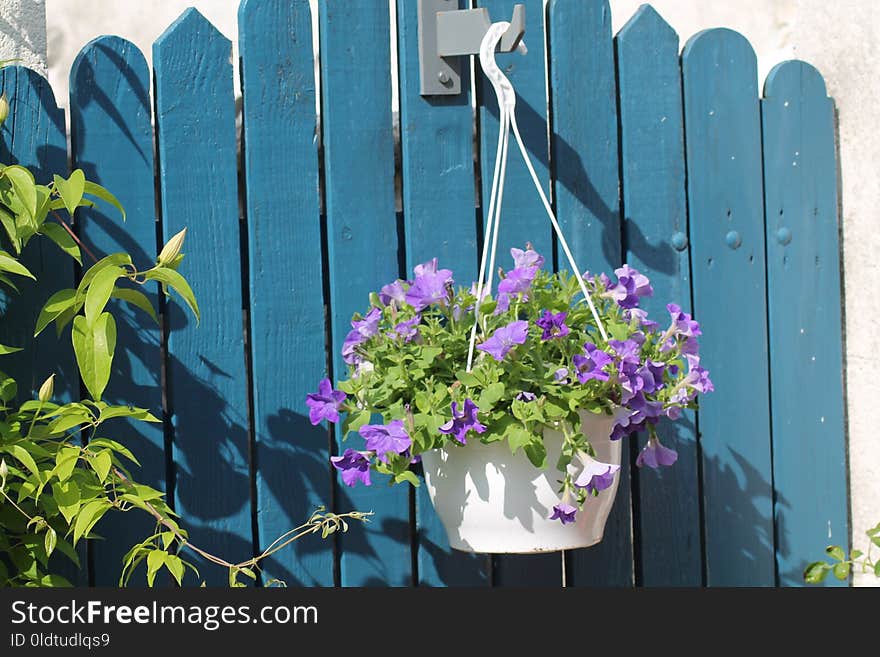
column 446, row 33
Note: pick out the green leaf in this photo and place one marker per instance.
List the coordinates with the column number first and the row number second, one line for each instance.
column 175, row 567
column 54, row 581
column 841, row 570
column 177, row 283
column 99, row 292
column 93, row 189
column 8, row 282
column 67, row 497
column 409, row 476
column 62, row 238
column 155, row 560
column 71, row 190
column 22, row 182
column 57, row 304
column 855, row 554
column 13, row 266
column 816, row 572
column 8, row 350
column 490, row 396
column 88, row 516
column 354, row 421
column 536, row 452
column 26, row 459
column 8, row 222
column 114, row 259
column 51, row 541
column 137, row 299
column 518, row 437
column 101, row 464
column 94, row 347
column 115, row 446
column 65, row 462
column 141, row 414
column 467, row 378
column 835, row 552
column 877, row 569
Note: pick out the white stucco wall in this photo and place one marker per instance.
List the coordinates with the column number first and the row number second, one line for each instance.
column 841, row 39
column 23, row 32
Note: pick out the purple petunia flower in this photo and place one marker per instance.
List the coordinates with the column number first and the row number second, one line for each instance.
column 463, row 422
column 354, row 467
column 527, row 258
column 630, row 277
column 561, row 375
column 642, row 316
column 324, row 404
column 553, row 325
column 590, row 366
column 384, row 438
column 393, row 292
column 627, row 351
column 564, row 512
column 596, row 475
column 505, row 338
column 517, row 281
column 429, row 287
column 407, row 329
column 654, row 454
column 369, row 325
column 682, row 322
column 352, row 340
column 526, row 396
column 697, row 376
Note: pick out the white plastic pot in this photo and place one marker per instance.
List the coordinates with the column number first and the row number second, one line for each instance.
column 490, row 500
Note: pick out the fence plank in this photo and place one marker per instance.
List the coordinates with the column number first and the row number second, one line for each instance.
column 803, row 282
column 655, row 207
column 207, row 379
column 362, row 247
column 583, row 97
column 286, row 304
column 523, row 219
column 436, row 134
column 34, row 136
column 112, row 142
column 725, row 199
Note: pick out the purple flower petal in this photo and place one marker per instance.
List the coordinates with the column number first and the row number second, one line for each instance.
column 553, row 325
column 654, row 454
column 324, row 404
column 384, row 438
column 354, row 467
column 589, row 366
column 564, row 512
column 596, row 475
column 527, row 258
column 463, row 421
column 505, row 338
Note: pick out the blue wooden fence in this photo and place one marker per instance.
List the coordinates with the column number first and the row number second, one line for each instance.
column 668, row 161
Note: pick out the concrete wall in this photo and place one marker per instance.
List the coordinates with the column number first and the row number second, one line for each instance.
column 23, row 32
column 842, row 39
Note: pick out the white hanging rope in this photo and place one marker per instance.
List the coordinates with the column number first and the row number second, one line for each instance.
column 507, row 118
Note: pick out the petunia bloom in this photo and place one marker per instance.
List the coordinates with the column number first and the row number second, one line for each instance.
column 596, row 475
column 407, row 329
column 654, row 454
column 324, row 404
column 517, row 281
column 353, row 466
column 369, row 325
column 589, row 366
column 384, row 438
column 463, row 421
column 349, row 347
column 527, row 258
column 505, row 338
column 553, row 325
column 564, row 512
column 429, row 287
column 393, row 292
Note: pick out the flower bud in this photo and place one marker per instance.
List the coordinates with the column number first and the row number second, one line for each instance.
column 171, row 249
column 4, row 470
column 4, row 108
column 47, row 389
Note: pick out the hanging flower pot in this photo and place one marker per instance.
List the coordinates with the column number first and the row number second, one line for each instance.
column 514, row 402
column 491, row 500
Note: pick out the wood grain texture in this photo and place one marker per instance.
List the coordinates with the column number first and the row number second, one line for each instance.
column 655, row 207
column 286, row 301
column 34, row 136
column 436, row 134
column 207, row 379
column 726, row 206
column 804, row 305
column 362, row 249
column 522, row 216
column 584, row 156
column 112, row 142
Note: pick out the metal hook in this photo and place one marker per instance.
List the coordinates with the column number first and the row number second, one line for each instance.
column 446, row 32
